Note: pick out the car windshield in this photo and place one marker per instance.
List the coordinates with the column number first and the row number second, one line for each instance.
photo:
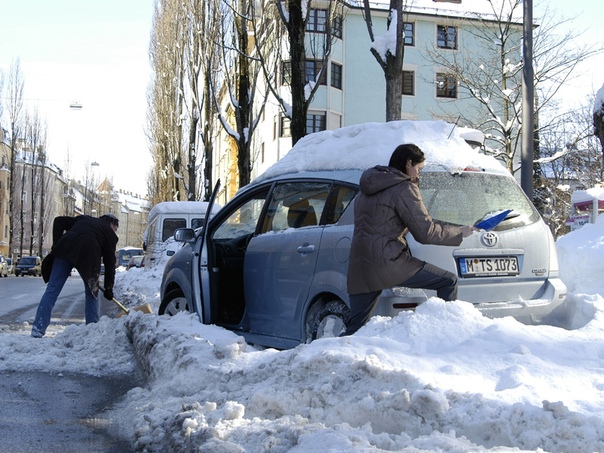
column 27, row 260
column 469, row 197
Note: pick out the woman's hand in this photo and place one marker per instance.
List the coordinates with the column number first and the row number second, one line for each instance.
column 467, row 230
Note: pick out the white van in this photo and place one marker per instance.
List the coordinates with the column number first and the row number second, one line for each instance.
column 164, row 219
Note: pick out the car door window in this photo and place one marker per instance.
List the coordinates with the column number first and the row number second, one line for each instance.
column 296, row 205
column 243, row 220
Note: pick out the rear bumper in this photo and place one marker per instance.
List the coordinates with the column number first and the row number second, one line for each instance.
column 530, row 311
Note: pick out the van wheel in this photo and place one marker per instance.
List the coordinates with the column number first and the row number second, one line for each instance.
column 173, row 303
column 328, row 320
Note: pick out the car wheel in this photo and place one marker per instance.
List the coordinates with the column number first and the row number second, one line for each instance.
column 173, row 303
column 327, row 320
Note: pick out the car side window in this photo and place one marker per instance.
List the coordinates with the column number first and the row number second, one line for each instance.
column 296, row 205
column 339, row 200
column 243, row 220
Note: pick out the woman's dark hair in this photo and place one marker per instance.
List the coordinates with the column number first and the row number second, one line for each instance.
column 404, row 153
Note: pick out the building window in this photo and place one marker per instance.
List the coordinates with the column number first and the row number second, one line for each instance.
column 336, row 75
column 409, row 28
column 286, row 72
column 313, row 68
column 446, row 86
column 446, row 37
column 285, row 127
column 317, row 21
column 262, row 152
column 315, row 123
column 336, row 27
column 409, row 83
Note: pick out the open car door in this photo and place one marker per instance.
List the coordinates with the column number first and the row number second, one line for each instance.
column 201, row 277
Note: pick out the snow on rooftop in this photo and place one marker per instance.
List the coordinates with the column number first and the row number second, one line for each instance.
column 470, row 9
column 363, row 146
column 180, row 207
column 581, row 196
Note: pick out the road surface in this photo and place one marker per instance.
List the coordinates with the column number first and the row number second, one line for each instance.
column 50, row 412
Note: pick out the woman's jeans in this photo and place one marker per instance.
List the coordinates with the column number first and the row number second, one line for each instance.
column 428, row 277
column 61, row 270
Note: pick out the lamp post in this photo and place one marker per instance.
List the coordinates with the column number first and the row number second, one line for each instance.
column 528, row 100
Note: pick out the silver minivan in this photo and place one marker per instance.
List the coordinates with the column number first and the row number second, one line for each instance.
column 272, row 264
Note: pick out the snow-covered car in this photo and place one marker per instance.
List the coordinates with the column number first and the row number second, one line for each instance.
column 272, row 264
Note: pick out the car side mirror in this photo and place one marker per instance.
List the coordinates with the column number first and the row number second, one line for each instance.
column 184, row 235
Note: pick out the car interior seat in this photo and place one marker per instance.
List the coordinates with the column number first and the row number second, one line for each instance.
column 301, row 214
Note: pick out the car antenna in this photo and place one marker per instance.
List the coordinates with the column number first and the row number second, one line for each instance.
column 454, row 126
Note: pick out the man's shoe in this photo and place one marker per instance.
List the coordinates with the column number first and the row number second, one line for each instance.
column 36, row 333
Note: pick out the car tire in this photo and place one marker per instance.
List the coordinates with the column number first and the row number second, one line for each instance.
column 173, row 303
column 327, row 320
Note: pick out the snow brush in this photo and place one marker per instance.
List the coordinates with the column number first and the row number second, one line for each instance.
column 145, row 308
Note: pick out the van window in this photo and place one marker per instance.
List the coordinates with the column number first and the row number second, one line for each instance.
column 196, row 223
column 170, row 225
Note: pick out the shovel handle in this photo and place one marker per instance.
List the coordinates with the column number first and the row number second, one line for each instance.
column 117, row 302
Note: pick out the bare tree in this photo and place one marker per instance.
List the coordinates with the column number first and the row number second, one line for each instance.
column 34, row 159
column 201, row 57
column 570, row 159
column 390, row 58
column 598, row 119
column 237, row 85
column 494, row 79
column 15, row 107
column 303, row 81
column 165, row 126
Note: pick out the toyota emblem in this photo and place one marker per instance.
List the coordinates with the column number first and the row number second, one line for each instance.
column 489, row 239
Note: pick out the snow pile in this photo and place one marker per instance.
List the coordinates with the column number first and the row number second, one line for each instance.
column 581, row 256
column 442, row 378
column 99, row 349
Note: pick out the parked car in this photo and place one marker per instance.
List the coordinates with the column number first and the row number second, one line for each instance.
column 123, row 255
column 136, row 261
column 10, row 266
column 29, row 265
column 3, row 267
column 272, row 264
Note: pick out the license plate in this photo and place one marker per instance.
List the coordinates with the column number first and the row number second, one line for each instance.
column 488, row 266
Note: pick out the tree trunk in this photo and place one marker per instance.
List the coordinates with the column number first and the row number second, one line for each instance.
column 297, row 30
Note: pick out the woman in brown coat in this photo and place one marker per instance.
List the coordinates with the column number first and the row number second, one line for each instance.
column 389, row 206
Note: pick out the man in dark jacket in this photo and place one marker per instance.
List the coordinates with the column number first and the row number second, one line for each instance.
column 79, row 242
column 389, row 206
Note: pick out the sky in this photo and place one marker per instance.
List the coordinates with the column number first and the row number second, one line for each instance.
column 95, row 53
column 440, row 378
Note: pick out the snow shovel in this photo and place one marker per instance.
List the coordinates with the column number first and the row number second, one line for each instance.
column 145, row 308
